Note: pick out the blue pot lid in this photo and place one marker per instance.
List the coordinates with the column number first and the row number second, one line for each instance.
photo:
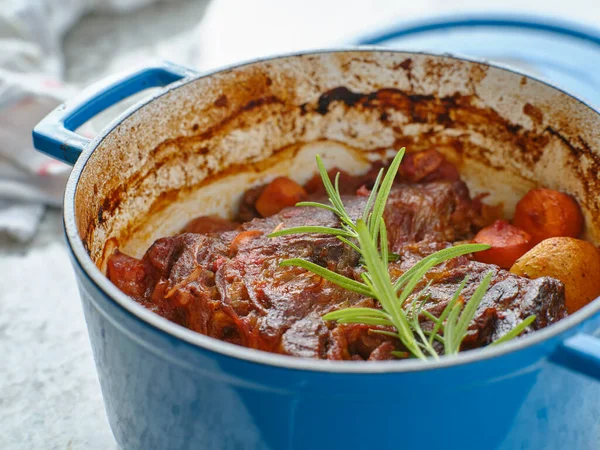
column 566, row 54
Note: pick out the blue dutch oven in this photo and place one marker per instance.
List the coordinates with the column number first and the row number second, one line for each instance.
column 198, row 143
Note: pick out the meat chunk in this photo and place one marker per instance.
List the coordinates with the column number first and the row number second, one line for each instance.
column 440, row 211
column 509, row 300
column 128, row 274
column 178, row 280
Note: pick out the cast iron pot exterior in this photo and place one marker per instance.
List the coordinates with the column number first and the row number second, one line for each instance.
column 166, row 387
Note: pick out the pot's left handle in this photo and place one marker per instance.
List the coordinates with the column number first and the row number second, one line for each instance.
column 55, row 135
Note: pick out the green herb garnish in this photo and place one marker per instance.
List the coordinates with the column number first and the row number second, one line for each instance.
column 368, row 236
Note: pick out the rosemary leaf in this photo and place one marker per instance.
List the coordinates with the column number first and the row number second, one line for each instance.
column 430, row 316
column 384, row 290
column 356, row 312
column 317, row 205
column 383, row 244
column 336, row 278
column 367, row 280
column 372, row 196
column 415, row 279
column 416, row 309
column 516, row 331
column 385, row 333
column 311, row 229
column 384, row 192
column 441, row 256
column 367, row 321
column 436, row 337
column 470, row 309
column 334, row 193
column 350, row 244
column 449, row 328
column 327, row 184
column 440, row 321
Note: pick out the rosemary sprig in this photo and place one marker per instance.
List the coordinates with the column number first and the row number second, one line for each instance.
column 368, row 236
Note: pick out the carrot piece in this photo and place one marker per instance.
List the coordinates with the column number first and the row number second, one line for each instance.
column 209, row 224
column 508, row 243
column 278, row 194
column 427, row 165
column 545, row 213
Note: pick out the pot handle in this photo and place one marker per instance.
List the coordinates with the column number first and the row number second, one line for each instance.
column 580, row 353
column 55, row 135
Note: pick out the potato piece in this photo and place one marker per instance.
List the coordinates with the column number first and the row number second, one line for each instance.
column 545, row 213
column 508, row 243
column 574, row 262
column 278, row 194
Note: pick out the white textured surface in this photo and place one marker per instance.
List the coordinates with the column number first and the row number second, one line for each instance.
column 49, row 394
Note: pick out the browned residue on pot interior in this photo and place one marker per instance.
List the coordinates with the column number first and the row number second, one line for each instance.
column 256, row 102
column 536, row 114
column 167, row 198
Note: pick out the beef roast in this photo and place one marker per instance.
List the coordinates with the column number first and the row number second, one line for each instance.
column 230, row 285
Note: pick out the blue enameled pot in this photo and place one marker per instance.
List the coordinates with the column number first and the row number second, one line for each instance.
column 200, row 141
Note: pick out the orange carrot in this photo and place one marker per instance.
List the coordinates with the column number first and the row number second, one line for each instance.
column 508, row 243
column 427, row 165
column 209, row 224
column 278, row 194
column 545, row 213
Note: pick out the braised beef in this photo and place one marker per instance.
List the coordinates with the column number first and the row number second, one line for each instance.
column 229, row 285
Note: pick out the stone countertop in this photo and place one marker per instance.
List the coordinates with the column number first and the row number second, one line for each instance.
column 50, row 396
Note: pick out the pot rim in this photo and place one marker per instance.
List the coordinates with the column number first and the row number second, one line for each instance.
column 161, row 324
